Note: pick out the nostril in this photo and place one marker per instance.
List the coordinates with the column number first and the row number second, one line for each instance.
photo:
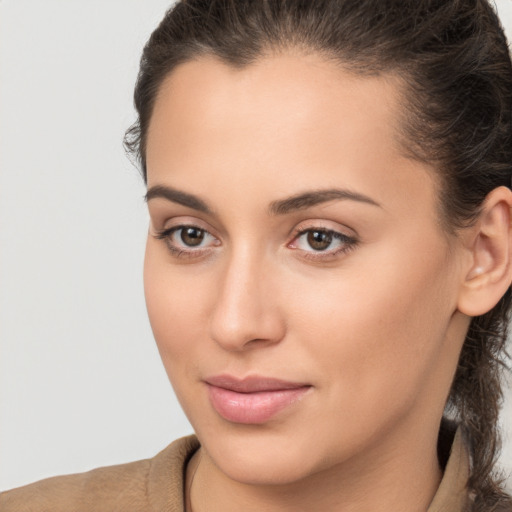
column 244, row 332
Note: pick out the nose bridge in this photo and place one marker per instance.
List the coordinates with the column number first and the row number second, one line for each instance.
column 244, row 311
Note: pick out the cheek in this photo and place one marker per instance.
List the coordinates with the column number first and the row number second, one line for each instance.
column 377, row 334
column 173, row 301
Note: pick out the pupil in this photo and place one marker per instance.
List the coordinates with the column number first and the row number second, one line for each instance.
column 192, row 236
column 319, row 240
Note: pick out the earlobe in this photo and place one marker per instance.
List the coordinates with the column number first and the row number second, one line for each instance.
column 489, row 272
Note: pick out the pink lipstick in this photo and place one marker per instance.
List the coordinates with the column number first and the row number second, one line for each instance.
column 253, row 400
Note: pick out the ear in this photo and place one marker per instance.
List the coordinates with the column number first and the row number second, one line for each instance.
column 489, row 271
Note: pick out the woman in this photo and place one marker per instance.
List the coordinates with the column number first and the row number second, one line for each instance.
column 328, row 262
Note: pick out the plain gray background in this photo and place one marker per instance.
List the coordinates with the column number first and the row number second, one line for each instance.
column 81, row 382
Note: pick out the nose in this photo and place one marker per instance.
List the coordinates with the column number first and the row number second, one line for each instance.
column 246, row 313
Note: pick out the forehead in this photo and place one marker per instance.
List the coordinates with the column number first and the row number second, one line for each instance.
column 283, row 124
column 274, row 96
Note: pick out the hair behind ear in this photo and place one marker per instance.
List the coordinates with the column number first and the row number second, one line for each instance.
column 477, row 393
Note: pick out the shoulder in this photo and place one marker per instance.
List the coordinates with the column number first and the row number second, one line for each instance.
column 109, row 485
column 145, row 485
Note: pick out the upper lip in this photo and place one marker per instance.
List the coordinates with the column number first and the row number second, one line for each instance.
column 252, row 383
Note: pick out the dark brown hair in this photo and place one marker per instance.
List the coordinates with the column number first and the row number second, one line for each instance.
column 453, row 59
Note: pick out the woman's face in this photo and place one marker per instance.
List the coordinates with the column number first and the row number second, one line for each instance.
column 301, row 291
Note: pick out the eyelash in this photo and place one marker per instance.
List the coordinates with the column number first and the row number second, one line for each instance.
column 166, row 236
column 348, row 242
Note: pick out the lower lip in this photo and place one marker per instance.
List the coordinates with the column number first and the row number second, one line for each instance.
column 253, row 408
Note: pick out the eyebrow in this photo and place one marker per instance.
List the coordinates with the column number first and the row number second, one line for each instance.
column 297, row 202
column 177, row 196
column 309, row 199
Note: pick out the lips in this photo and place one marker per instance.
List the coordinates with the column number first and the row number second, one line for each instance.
column 253, row 400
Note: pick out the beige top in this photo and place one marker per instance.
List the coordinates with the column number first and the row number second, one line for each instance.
column 157, row 485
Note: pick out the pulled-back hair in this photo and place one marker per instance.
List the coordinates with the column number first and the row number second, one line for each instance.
column 452, row 59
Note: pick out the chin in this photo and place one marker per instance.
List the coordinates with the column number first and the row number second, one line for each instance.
column 263, row 456
column 271, row 470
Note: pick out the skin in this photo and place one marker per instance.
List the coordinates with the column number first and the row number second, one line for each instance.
column 375, row 328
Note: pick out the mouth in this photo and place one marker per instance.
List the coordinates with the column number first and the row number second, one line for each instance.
column 254, row 399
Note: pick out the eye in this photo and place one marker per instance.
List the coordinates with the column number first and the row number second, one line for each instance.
column 191, row 236
column 187, row 240
column 321, row 242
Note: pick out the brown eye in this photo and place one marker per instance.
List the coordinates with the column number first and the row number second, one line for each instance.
column 321, row 244
column 319, row 240
column 192, row 236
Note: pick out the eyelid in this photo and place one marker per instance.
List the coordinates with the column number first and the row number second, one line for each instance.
column 325, row 225
column 166, row 232
column 169, row 222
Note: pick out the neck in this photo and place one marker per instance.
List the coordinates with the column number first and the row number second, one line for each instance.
column 402, row 474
